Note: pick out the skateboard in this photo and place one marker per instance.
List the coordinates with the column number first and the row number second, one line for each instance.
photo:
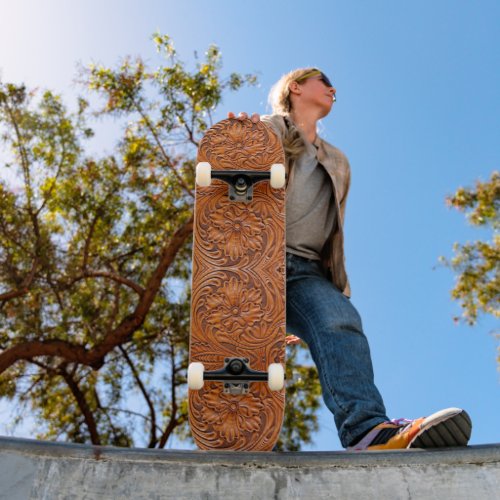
column 237, row 338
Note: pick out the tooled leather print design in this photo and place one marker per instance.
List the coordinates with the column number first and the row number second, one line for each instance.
column 238, row 290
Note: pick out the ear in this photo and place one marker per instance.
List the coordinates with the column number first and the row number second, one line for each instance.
column 294, row 88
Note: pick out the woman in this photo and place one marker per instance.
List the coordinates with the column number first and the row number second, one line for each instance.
column 319, row 310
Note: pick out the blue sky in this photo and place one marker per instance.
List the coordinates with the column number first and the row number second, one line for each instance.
column 418, row 115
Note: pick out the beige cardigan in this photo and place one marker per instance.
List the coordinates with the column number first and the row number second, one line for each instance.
column 337, row 166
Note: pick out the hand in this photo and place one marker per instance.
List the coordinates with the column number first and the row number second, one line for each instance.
column 292, row 340
column 243, row 116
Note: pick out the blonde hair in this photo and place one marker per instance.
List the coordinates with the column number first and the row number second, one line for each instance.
column 279, row 96
column 281, row 104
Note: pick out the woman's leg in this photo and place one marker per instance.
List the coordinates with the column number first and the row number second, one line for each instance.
column 326, row 320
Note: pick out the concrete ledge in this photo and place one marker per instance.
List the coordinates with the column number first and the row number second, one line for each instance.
column 36, row 469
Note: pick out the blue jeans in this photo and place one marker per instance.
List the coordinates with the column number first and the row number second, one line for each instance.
column 325, row 319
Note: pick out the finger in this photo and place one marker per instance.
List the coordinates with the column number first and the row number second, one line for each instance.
column 255, row 117
column 243, row 116
column 230, row 115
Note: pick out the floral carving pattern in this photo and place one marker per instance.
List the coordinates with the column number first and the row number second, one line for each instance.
column 238, row 290
column 230, row 416
column 234, row 307
column 235, row 230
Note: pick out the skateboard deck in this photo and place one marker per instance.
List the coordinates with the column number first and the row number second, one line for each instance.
column 238, row 292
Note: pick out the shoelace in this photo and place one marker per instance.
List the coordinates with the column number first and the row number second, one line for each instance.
column 384, row 435
column 401, row 421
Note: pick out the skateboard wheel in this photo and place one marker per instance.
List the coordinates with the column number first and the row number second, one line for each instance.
column 277, row 175
column 203, row 174
column 276, row 376
column 195, row 376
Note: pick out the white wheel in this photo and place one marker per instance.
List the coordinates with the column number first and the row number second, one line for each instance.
column 195, row 376
column 203, row 174
column 277, row 175
column 276, row 376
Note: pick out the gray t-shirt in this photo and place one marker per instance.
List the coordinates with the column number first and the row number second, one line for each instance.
column 310, row 207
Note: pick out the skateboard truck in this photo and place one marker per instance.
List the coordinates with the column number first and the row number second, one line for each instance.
column 241, row 182
column 236, row 375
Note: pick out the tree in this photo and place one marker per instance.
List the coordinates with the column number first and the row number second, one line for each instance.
column 477, row 264
column 95, row 254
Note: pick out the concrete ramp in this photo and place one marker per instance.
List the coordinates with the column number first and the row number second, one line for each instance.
column 34, row 469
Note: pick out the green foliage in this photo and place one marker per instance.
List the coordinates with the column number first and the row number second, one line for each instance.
column 477, row 264
column 95, row 254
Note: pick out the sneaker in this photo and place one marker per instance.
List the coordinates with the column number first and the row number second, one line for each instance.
column 450, row 427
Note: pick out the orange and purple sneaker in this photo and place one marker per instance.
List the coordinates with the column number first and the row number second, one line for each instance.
column 450, row 427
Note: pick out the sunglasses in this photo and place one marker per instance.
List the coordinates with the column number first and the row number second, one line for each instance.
column 316, row 72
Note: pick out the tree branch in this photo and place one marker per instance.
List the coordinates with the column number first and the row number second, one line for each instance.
column 153, row 440
column 89, row 238
column 173, row 422
column 121, row 334
column 160, row 146
column 114, row 277
column 24, row 288
column 82, row 404
column 5, row 231
column 27, row 177
column 53, row 184
column 191, row 135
